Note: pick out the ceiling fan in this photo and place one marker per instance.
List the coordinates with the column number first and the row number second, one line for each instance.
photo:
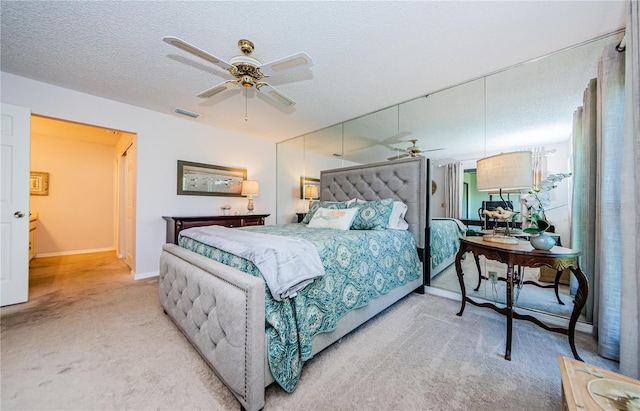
column 247, row 71
column 411, row 151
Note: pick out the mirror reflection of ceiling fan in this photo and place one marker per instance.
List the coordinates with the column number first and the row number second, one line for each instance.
column 247, row 71
column 363, row 143
column 411, row 151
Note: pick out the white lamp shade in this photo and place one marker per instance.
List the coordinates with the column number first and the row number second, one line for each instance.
column 250, row 188
column 311, row 191
column 508, row 172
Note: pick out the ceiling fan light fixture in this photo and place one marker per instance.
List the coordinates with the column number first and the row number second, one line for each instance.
column 247, row 81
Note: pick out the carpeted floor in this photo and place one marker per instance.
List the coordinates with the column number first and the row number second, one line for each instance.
column 91, row 338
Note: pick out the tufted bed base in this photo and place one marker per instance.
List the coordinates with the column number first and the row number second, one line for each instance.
column 221, row 310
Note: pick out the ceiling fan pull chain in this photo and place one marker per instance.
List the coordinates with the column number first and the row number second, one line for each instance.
column 246, row 104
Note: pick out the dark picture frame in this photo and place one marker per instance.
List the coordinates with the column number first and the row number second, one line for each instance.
column 309, row 181
column 199, row 179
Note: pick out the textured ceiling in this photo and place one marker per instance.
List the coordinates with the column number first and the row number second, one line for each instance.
column 367, row 55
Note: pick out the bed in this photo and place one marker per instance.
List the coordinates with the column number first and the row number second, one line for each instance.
column 224, row 311
column 445, row 243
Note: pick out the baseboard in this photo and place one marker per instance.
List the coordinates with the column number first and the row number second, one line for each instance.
column 95, row 250
column 545, row 318
column 142, row 276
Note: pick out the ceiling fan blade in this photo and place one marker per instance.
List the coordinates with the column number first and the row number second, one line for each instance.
column 301, row 59
column 398, row 157
column 433, row 149
column 181, row 44
column 275, row 95
column 218, row 89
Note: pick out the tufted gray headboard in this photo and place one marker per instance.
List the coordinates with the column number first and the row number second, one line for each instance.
column 404, row 180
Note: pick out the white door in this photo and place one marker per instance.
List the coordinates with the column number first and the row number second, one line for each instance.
column 14, row 199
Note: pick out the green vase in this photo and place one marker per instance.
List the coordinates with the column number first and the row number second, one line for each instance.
column 542, row 241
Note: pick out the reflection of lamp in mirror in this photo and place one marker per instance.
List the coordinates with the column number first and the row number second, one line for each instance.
column 504, row 173
column 250, row 188
column 311, row 192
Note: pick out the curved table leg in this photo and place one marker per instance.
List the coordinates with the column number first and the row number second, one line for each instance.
column 475, row 257
column 507, row 354
column 578, row 304
column 555, row 286
column 463, row 249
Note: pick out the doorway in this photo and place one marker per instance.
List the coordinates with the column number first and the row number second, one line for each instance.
column 81, row 213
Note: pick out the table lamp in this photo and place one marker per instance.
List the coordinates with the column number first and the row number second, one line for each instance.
column 311, row 192
column 505, row 173
column 250, row 188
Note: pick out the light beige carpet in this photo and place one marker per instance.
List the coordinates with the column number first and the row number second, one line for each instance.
column 93, row 339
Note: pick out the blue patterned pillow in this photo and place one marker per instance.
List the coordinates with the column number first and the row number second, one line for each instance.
column 372, row 215
column 333, row 205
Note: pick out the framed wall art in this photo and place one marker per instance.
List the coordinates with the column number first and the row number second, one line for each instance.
column 39, row 183
column 200, row 179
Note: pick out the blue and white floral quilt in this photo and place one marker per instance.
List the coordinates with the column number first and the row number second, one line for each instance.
column 360, row 265
column 445, row 242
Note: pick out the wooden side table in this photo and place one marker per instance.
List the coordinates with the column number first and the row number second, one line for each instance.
column 576, row 376
column 524, row 255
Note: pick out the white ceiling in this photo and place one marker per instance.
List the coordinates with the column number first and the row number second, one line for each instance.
column 366, row 55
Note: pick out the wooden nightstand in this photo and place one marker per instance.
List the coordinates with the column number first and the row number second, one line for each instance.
column 301, row 216
column 576, row 376
column 177, row 224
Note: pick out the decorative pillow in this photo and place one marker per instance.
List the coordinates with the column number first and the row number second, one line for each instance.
column 334, row 205
column 397, row 221
column 330, row 218
column 372, row 215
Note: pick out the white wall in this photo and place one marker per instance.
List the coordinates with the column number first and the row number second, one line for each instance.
column 162, row 140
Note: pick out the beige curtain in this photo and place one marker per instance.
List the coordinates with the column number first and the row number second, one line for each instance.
column 583, row 204
column 610, row 139
column 630, row 202
column 539, row 163
column 453, row 190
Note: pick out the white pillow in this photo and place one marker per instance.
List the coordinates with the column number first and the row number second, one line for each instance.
column 329, row 218
column 396, row 219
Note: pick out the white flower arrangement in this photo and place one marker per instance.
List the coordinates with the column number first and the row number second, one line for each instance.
column 536, row 201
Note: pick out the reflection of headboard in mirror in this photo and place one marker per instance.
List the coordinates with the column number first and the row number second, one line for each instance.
column 404, row 180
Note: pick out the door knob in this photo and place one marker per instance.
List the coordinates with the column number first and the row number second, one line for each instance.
column 18, row 214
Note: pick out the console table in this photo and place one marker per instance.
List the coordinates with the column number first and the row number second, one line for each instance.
column 522, row 254
column 177, row 224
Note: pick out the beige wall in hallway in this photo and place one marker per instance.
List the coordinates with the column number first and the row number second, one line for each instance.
column 78, row 214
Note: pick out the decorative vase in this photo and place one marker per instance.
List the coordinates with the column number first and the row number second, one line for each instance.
column 542, row 241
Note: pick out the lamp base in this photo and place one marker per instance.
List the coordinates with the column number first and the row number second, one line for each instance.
column 503, row 239
column 250, row 206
